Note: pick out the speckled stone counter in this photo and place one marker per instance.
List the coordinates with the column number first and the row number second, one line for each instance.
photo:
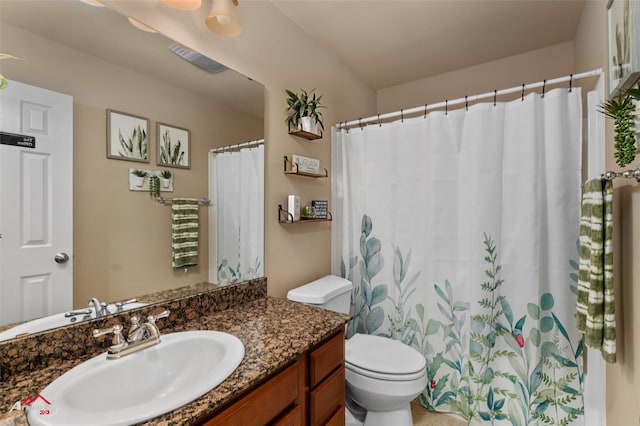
column 274, row 332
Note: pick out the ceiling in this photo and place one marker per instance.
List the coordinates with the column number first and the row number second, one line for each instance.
column 384, row 42
column 390, row 42
column 108, row 35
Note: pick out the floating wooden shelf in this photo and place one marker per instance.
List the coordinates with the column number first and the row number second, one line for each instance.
column 284, row 217
column 292, row 169
column 304, row 134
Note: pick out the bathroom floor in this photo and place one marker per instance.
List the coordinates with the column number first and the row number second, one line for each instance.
column 423, row 417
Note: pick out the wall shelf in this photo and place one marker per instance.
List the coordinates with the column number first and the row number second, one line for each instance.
column 304, row 134
column 284, row 217
column 292, row 169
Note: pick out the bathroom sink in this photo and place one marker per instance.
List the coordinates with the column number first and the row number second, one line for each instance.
column 56, row 320
column 140, row 386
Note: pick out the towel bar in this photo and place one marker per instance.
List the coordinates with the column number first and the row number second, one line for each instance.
column 202, row 201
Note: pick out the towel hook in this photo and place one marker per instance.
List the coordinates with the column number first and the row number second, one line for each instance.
column 523, row 92
column 544, row 85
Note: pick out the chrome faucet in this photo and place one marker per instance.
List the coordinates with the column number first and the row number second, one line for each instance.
column 140, row 336
column 99, row 308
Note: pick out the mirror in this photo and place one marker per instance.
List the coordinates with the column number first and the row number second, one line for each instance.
column 122, row 238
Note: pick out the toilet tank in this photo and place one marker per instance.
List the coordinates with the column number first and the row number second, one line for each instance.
column 329, row 292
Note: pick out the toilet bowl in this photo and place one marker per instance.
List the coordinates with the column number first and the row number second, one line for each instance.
column 382, row 375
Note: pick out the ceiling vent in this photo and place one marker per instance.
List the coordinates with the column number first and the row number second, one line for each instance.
column 197, row 59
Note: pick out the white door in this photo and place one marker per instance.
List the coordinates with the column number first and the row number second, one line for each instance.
column 36, row 202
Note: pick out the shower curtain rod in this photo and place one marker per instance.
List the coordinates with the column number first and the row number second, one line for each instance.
column 447, row 103
column 237, row 146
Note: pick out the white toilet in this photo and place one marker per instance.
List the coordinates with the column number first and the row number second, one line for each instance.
column 382, row 375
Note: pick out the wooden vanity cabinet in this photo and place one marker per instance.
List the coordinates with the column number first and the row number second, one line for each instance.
column 311, row 391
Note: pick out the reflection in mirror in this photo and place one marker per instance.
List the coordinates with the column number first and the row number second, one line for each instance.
column 237, row 214
column 121, row 238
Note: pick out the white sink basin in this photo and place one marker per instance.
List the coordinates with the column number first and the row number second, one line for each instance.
column 56, row 320
column 139, row 386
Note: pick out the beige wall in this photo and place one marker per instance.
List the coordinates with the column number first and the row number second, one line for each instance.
column 623, row 378
column 122, row 238
column 551, row 62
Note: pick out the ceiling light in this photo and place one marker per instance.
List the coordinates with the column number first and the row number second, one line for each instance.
column 139, row 25
column 184, row 4
column 223, row 19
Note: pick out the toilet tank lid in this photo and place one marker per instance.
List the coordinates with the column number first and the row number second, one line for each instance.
column 320, row 291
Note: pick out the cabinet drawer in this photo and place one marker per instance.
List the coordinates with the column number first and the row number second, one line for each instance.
column 266, row 403
column 325, row 359
column 327, row 398
column 338, row 419
column 292, row 418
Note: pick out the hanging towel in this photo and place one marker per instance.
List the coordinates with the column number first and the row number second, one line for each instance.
column 595, row 306
column 184, row 232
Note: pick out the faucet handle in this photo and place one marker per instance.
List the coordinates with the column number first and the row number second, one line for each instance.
column 117, row 341
column 121, row 304
column 152, row 318
column 78, row 312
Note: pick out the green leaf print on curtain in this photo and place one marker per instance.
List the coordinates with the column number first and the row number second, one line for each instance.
column 494, row 365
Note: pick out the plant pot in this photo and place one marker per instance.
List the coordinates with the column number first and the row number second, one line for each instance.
column 166, row 183
column 307, row 124
column 138, row 181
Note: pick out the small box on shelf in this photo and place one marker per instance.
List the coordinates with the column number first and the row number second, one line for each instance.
column 320, row 207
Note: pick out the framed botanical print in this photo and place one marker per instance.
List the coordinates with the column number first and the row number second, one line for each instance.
column 624, row 44
column 127, row 136
column 173, row 146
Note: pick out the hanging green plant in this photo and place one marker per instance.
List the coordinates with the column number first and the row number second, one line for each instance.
column 154, row 186
column 622, row 110
column 3, row 80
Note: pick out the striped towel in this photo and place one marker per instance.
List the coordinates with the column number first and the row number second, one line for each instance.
column 595, row 306
column 184, row 232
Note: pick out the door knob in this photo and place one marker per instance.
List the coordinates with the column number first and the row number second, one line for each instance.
column 61, row 258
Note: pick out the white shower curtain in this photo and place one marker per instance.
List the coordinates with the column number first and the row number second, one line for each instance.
column 238, row 200
column 458, row 231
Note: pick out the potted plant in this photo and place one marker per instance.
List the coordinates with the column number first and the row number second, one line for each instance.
column 3, row 81
column 138, row 177
column 304, row 114
column 165, row 178
column 622, row 110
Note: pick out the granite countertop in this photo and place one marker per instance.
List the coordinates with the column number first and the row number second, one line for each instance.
column 274, row 332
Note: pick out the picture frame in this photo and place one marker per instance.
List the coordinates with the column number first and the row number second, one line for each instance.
column 127, row 136
column 173, row 146
column 623, row 25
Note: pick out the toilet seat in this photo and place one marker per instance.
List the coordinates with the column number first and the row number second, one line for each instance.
column 383, row 358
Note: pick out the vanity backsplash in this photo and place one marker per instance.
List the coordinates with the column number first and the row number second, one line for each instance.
column 76, row 342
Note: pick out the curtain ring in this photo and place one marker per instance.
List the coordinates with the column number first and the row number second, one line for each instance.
column 425, row 111
column 466, row 103
column 446, row 106
column 402, row 116
column 379, row 123
column 346, row 127
column 495, row 95
column 570, row 82
column 360, row 123
column 544, row 85
column 523, row 92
